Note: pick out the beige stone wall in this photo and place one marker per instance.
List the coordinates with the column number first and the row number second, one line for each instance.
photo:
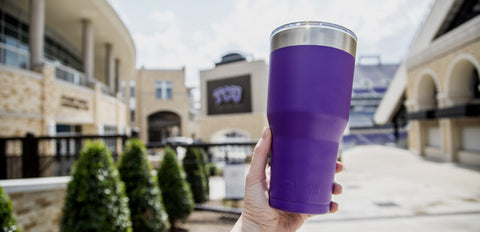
column 444, row 70
column 258, row 80
column 440, row 68
column 148, row 104
column 33, row 101
column 38, row 211
column 65, row 114
column 250, row 123
column 21, row 92
column 253, row 124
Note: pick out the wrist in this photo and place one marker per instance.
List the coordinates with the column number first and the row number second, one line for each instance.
column 244, row 224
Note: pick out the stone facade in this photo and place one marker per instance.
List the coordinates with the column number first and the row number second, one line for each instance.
column 37, row 203
column 147, row 102
column 248, row 124
column 439, row 78
column 36, row 101
column 38, row 211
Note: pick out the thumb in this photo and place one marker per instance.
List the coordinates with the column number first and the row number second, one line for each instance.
column 256, row 173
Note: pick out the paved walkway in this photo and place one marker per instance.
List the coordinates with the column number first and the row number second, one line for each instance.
column 389, row 189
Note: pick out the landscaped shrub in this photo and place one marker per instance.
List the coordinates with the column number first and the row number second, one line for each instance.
column 206, row 170
column 7, row 220
column 193, row 166
column 145, row 200
column 176, row 192
column 95, row 198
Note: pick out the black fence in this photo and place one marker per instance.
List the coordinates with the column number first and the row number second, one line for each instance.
column 227, row 152
column 42, row 156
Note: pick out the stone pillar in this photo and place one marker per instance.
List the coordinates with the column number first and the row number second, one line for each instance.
column 118, row 75
column 418, row 142
column 37, row 31
column 450, row 138
column 88, row 49
column 109, row 67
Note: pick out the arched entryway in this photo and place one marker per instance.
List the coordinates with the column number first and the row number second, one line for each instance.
column 462, row 89
column 427, row 128
column 463, row 81
column 426, row 92
column 162, row 125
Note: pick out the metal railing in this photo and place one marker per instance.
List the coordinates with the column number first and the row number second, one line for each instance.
column 71, row 75
column 42, row 156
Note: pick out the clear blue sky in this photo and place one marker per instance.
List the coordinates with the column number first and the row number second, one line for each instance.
column 195, row 34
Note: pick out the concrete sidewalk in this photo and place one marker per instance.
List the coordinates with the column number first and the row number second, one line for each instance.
column 389, row 189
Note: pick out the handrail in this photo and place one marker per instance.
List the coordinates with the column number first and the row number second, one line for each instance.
column 69, row 74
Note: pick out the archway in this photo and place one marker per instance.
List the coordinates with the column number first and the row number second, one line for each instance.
column 463, row 83
column 162, row 125
column 426, row 92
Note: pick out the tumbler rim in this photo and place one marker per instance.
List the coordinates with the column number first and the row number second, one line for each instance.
column 318, row 24
column 314, row 33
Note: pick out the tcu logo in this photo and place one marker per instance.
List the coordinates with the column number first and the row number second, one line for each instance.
column 227, row 94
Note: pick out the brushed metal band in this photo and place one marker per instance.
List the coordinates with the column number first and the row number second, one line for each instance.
column 314, row 33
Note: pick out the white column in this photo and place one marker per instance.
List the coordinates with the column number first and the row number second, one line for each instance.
column 109, row 67
column 37, row 31
column 87, row 49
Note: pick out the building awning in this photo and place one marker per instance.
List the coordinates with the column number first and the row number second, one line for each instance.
column 392, row 100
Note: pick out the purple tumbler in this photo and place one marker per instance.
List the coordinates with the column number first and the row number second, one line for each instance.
column 309, row 91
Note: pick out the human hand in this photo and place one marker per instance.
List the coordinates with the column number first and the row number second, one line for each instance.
column 257, row 214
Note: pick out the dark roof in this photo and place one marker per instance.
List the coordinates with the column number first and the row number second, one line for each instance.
column 230, row 58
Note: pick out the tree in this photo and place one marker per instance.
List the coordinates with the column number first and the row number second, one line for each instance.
column 193, row 166
column 95, row 198
column 176, row 192
column 7, row 219
column 145, row 200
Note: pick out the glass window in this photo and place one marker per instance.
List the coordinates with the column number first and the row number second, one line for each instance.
column 132, row 115
column 132, row 89
column 111, row 143
column 10, row 58
column 13, row 41
column 163, row 90
column 169, row 89
column 158, row 89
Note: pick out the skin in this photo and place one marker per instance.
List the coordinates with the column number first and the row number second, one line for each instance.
column 257, row 214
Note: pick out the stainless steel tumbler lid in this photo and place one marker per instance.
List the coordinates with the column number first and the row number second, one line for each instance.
column 314, row 33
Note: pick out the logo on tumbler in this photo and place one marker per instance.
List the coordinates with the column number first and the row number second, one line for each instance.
column 301, row 187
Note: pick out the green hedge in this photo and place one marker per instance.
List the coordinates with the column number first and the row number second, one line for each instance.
column 176, row 192
column 145, row 201
column 196, row 176
column 95, row 198
column 7, row 220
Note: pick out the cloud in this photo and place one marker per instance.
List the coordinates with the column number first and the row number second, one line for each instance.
column 382, row 27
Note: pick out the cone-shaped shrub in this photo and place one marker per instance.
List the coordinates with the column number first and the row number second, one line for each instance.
column 95, row 198
column 145, row 200
column 176, row 192
column 193, row 166
column 7, row 220
column 206, row 170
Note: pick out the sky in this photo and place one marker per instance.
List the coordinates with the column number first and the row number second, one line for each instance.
column 195, row 34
